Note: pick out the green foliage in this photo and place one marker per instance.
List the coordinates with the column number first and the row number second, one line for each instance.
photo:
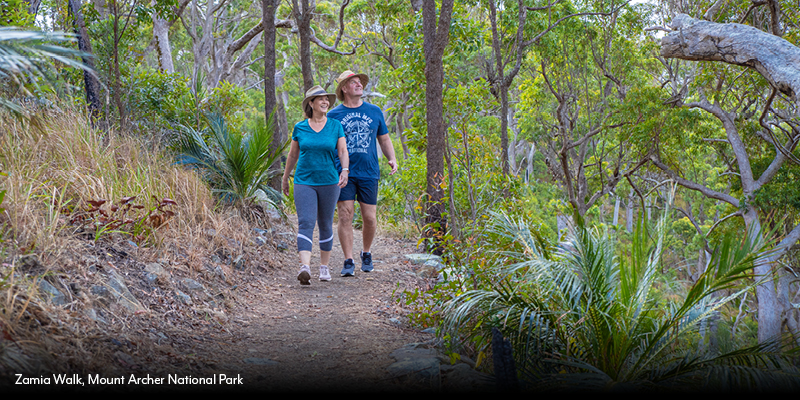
column 27, row 61
column 399, row 195
column 577, row 316
column 425, row 305
column 157, row 99
column 782, row 192
column 473, row 185
column 15, row 13
column 237, row 166
column 226, row 100
column 2, row 193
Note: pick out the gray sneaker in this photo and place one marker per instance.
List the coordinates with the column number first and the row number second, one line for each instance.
column 366, row 262
column 305, row 275
column 324, row 273
column 349, row 267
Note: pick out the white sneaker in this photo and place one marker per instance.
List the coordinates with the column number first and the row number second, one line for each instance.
column 305, row 275
column 324, row 273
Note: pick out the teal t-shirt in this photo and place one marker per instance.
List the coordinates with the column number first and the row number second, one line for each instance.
column 315, row 165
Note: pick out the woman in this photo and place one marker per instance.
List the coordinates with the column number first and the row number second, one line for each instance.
column 315, row 142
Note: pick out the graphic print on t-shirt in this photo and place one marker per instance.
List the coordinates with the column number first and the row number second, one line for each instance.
column 356, row 126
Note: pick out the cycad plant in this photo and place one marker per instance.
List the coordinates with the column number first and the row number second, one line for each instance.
column 26, row 58
column 236, row 165
column 578, row 318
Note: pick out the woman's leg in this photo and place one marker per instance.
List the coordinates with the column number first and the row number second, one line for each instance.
column 328, row 196
column 305, row 201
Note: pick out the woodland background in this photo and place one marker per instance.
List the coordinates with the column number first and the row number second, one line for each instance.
column 611, row 183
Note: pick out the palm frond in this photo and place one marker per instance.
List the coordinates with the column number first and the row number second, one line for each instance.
column 236, row 165
column 577, row 315
column 28, row 56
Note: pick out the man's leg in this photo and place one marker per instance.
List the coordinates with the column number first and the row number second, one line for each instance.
column 369, row 217
column 368, row 200
column 345, row 226
column 345, row 229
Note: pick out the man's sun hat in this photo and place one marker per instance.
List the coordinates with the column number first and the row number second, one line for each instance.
column 316, row 91
column 344, row 77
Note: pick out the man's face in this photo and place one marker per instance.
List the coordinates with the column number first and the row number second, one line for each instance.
column 353, row 87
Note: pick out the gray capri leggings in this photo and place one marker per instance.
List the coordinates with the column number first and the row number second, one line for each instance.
column 315, row 205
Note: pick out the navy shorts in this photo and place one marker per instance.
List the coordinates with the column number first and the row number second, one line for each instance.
column 363, row 190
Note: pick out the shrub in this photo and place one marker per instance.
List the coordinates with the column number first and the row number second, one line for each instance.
column 156, row 100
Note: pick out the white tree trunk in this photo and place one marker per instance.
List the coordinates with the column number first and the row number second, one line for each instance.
column 163, row 48
column 629, row 213
column 529, row 167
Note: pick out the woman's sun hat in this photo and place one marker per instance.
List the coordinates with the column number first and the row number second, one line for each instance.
column 344, row 77
column 316, row 91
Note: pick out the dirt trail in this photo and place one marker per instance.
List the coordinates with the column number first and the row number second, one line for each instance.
column 329, row 336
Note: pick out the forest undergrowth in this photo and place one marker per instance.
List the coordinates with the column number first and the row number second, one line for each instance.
column 81, row 204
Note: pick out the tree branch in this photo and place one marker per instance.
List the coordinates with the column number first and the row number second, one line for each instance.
column 694, row 185
column 775, row 58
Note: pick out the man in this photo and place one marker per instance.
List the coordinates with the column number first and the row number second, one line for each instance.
column 364, row 126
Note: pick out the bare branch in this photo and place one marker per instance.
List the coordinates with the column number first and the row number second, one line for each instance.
column 733, row 214
column 562, row 19
column 547, row 7
column 694, row 185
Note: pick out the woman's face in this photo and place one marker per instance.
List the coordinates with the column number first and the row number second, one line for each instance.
column 319, row 104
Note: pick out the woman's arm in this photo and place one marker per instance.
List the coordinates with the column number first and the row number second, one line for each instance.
column 344, row 159
column 291, row 161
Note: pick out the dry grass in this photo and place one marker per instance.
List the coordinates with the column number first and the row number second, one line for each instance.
column 66, row 163
column 52, row 171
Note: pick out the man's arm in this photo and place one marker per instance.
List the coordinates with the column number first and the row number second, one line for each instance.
column 388, row 150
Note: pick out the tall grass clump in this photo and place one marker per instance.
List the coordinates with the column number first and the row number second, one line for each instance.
column 58, row 168
column 52, row 173
column 579, row 318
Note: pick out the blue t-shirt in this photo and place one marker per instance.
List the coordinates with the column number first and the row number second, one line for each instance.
column 315, row 164
column 362, row 126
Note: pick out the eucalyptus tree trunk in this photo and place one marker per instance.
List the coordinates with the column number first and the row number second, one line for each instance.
column 529, row 158
column 629, row 212
column 502, row 89
column 778, row 61
column 33, row 6
column 90, row 81
column 119, row 24
column 775, row 58
column 268, row 8
column 435, row 39
column 303, row 15
column 163, row 48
